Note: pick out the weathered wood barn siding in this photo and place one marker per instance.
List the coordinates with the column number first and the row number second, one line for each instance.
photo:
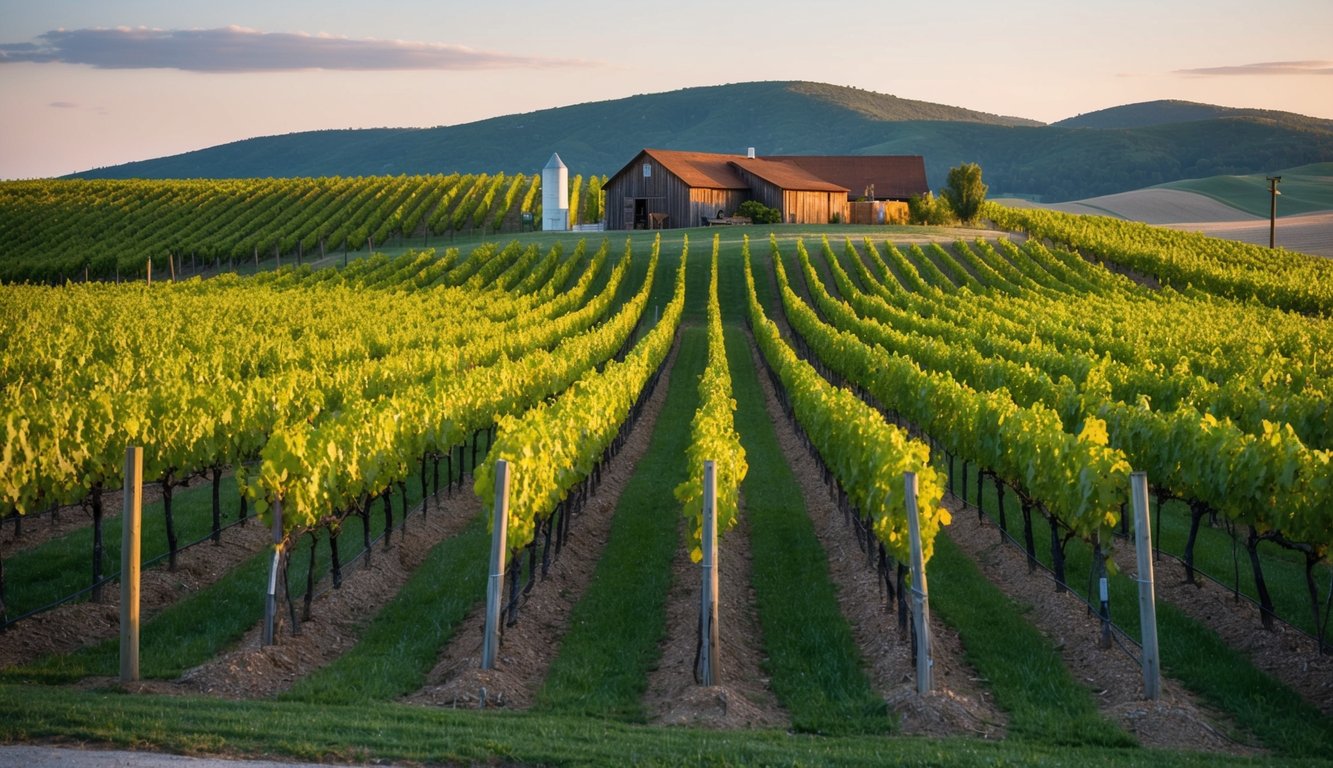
column 663, row 192
column 707, row 202
column 879, row 177
column 762, row 190
column 798, row 206
column 801, row 207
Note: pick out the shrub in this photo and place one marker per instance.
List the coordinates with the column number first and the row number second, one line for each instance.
column 759, row 213
column 928, row 209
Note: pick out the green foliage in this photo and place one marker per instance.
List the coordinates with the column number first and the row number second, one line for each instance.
column 965, row 191
column 867, row 454
column 554, row 445
column 811, row 656
column 928, row 209
column 1278, row 278
column 760, row 213
column 592, row 200
column 713, row 434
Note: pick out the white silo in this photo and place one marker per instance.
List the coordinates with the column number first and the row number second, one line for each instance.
column 555, row 195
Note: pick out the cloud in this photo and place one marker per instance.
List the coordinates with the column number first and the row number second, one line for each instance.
column 63, row 105
column 238, row 49
column 1266, row 68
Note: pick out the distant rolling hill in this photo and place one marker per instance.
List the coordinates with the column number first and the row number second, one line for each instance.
column 1166, row 112
column 1018, row 156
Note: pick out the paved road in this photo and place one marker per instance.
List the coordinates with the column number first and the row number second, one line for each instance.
column 23, row 756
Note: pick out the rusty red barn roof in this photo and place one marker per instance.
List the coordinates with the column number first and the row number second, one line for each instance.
column 894, row 176
column 786, row 175
column 699, row 169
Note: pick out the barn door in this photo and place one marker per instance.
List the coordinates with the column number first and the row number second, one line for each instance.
column 627, row 217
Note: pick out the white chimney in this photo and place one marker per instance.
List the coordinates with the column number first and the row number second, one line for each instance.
column 749, row 152
column 555, row 195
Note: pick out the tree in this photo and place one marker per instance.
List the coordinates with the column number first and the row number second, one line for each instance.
column 965, row 191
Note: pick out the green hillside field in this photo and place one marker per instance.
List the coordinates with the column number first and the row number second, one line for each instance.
column 1304, row 189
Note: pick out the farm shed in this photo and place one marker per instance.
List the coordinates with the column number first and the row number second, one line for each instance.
column 670, row 188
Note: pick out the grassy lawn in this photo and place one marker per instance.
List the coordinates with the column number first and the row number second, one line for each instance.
column 1021, row 665
column 391, row 732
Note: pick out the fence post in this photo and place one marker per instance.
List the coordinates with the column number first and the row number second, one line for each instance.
column 271, row 600
column 1152, row 674
column 130, row 553
column 495, row 585
column 710, row 667
column 920, row 595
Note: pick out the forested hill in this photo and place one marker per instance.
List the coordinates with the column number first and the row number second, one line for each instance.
column 1069, row 160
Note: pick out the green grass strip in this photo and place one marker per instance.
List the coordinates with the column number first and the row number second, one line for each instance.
column 396, row 733
column 814, row 666
column 616, row 628
column 1026, row 674
column 403, row 641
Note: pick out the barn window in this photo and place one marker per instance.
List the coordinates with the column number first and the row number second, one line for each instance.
column 647, row 170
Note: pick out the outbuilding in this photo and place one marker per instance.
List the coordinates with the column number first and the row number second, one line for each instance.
column 663, row 188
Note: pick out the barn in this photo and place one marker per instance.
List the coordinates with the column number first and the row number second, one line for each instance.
column 671, row 188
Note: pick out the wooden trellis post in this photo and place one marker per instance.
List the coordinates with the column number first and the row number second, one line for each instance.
column 495, row 585
column 129, row 565
column 1152, row 670
column 710, row 666
column 920, row 595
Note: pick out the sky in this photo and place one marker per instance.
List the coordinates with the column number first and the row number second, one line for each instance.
column 87, row 83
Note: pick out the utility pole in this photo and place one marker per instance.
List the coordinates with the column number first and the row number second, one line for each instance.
column 1272, row 210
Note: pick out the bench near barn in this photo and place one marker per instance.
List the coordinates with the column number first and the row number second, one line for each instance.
column 725, row 221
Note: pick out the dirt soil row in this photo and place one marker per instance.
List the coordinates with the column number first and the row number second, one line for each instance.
column 742, row 698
